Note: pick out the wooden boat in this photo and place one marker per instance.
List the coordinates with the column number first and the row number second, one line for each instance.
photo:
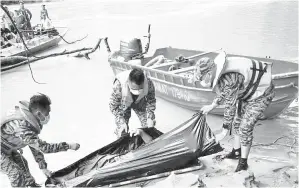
column 173, row 85
column 37, row 44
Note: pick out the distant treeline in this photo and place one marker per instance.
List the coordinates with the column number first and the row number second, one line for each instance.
column 12, row 2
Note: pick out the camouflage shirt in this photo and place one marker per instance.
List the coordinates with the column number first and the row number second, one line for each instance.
column 144, row 109
column 20, row 130
column 230, row 87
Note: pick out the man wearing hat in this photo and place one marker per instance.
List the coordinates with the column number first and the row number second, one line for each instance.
column 245, row 87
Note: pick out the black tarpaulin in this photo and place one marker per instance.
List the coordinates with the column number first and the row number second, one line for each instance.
column 129, row 158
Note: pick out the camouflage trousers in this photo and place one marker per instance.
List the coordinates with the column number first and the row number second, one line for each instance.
column 245, row 121
column 15, row 166
column 139, row 109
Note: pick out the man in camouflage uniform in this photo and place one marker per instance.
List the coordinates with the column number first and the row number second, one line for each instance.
column 21, row 128
column 245, row 87
column 132, row 90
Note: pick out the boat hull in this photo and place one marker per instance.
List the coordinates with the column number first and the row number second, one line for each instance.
column 176, row 89
column 7, row 61
column 40, row 43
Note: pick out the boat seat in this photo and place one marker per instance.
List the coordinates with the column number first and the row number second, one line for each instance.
column 187, row 69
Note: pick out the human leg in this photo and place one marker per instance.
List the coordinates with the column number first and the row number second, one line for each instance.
column 13, row 171
column 23, row 164
column 252, row 110
column 236, row 151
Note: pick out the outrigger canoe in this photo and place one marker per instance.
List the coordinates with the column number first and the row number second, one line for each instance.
column 173, row 85
column 37, row 44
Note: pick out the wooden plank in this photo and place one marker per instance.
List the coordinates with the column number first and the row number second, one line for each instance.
column 182, row 70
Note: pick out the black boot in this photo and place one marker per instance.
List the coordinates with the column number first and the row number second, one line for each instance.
column 234, row 154
column 34, row 184
column 242, row 165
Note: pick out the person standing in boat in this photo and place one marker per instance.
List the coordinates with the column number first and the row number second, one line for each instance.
column 44, row 18
column 132, row 90
column 28, row 15
column 246, row 89
column 21, row 128
column 7, row 20
column 15, row 15
column 20, row 21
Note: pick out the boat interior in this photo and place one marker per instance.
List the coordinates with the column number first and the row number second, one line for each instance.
column 171, row 53
column 180, row 72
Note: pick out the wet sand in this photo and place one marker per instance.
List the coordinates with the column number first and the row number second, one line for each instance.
column 80, row 88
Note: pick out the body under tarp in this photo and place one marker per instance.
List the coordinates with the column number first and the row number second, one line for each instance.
column 130, row 158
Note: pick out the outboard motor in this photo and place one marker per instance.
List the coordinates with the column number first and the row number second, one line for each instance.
column 130, row 48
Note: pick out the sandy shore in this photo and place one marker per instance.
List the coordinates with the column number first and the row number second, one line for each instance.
column 80, row 89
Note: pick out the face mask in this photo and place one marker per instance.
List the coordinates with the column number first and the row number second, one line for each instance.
column 136, row 91
column 46, row 119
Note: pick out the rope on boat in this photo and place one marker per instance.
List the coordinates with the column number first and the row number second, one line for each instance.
column 27, row 49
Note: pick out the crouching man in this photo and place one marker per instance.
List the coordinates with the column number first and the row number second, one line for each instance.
column 246, row 89
column 132, row 90
column 21, row 128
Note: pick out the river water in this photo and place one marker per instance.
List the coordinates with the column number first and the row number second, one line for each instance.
column 80, row 88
